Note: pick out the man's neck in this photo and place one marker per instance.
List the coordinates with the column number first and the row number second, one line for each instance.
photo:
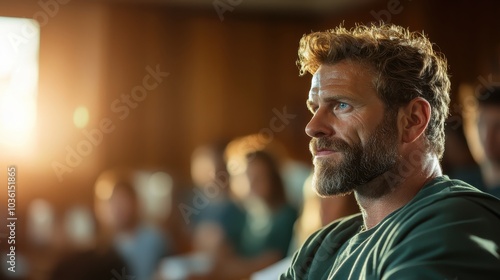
column 404, row 186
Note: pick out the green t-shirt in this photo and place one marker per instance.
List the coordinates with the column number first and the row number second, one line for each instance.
column 449, row 230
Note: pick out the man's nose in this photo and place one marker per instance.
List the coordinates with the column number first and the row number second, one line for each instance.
column 320, row 124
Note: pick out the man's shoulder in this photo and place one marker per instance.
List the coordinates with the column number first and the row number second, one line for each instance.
column 447, row 200
column 441, row 220
column 449, row 220
column 454, row 196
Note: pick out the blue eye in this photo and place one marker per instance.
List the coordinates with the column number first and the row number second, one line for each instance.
column 342, row 106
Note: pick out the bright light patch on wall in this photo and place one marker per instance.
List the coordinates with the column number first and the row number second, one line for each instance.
column 19, row 45
column 81, row 117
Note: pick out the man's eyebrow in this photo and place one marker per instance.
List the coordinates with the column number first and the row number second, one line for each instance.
column 334, row 98
column 337, row 98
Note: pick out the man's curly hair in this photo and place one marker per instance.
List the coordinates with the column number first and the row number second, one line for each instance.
column 405, row 65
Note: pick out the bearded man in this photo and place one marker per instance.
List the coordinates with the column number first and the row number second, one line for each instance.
column 379, row 98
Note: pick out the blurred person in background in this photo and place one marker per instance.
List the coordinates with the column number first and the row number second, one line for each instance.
column 139, row 244
column 245, row 222
column 481, row 113
column 75, row 248
column 269, row 222
column 293, row 172
column 219, row 225
column 270, row 218
column 91, row 259
column 215, row 219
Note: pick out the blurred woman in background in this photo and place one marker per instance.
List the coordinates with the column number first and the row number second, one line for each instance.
column 269, row 221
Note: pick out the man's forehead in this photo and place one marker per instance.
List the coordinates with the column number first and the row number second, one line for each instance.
column 349, row 80
column 342, row 76
column 331, row 72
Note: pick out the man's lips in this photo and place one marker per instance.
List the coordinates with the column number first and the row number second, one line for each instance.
column 324, row 152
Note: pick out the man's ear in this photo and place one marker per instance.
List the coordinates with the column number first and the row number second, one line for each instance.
column 414, row 118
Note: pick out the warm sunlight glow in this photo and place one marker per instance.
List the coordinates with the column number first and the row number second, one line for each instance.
column 81, row 117
column 19, row 44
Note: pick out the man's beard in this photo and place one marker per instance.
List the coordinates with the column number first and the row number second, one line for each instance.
column 359, row 164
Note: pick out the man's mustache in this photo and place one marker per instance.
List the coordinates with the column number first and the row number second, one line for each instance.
column 318, row 144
